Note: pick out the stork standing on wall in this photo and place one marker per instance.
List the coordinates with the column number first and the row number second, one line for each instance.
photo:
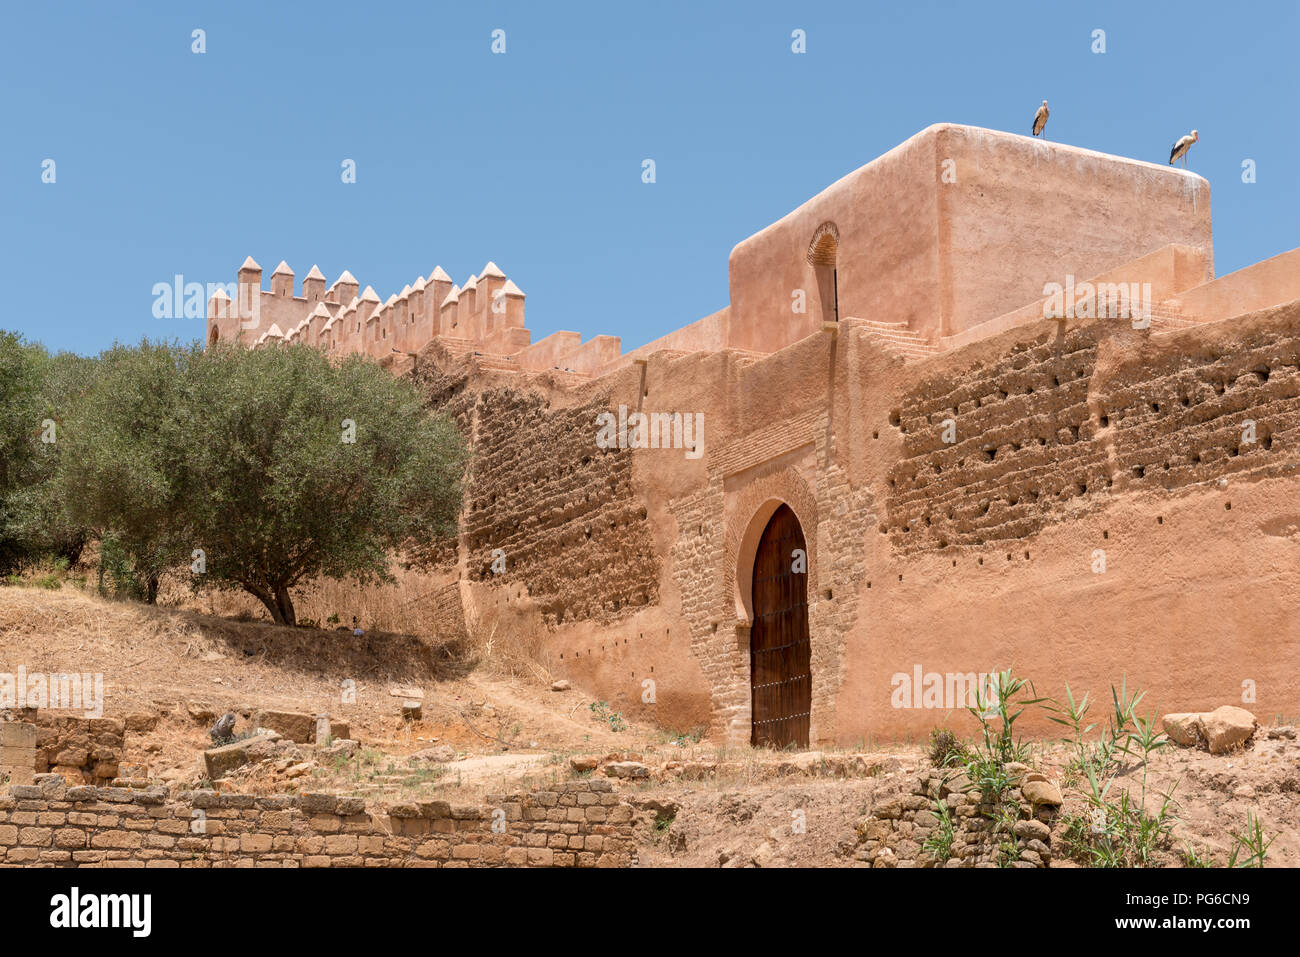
column 1181, row 147
column 1040, row 119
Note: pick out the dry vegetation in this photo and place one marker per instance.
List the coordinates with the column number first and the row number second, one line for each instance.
column 489, row 700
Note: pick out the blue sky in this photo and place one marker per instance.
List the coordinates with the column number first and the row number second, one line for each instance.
column 171, row 162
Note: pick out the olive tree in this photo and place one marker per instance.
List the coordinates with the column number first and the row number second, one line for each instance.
column 123, row 455
column 297, row 466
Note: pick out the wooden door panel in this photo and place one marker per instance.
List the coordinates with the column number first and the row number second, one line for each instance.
column 780, row 650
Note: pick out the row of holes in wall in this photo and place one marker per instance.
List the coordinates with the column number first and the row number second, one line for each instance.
column 641, row 635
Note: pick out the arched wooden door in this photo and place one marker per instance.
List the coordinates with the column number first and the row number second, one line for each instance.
column 780, row 656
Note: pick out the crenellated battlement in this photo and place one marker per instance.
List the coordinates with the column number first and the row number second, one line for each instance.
column 485, row 315
column 937, row 244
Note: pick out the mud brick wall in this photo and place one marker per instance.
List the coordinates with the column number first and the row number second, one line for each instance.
column 445, row 384
column 1043, row 432
column 446, row 612
column 83, row 750
column 577, row 824
column 1025, row 447
column 1179, row 417
column 574, row 533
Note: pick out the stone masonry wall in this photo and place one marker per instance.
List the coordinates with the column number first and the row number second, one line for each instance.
column 1024, row 447
column 577, row 824
column 83, row 750
column 563, row 511
column 1046, row 430
column 895, row 833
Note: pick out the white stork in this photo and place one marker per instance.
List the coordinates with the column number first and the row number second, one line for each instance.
column 1040, row 119
column 1181, row 147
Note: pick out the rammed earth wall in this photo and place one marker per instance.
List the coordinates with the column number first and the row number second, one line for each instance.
column 576, row 824
column 1079, row 502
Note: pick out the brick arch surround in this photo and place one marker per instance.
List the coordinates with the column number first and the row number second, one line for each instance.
column 747, row 518
column 825, row 244
column 745, row 525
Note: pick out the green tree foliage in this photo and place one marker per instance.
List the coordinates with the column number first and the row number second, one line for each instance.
column 39, row 520
column 258, row 468
column 301, row 467
column 123, row 456
column 22, row 453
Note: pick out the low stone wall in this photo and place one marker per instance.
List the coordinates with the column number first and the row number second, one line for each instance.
column 895, row 833
column 578, row 824
column 82, row 750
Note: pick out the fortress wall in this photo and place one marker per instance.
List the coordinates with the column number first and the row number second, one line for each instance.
column 1156, row 547
column 1169, row 270
column 704, row 335
column 1269, row 283
column 546, row 353
column 1195, row 598
column 571, row 529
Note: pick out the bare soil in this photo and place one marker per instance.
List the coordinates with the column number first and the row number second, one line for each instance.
column 752, row 808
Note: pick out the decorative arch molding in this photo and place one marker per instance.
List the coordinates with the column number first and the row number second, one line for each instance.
column 825, row 244
column 754, row 507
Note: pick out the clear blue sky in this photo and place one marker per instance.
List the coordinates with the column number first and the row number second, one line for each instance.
column 171, row 162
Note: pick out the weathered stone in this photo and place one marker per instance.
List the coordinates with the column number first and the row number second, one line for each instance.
column 221, row 761
column 1227, row 728
column 297, row 726
column 1041, row 792
column 1183, row 728
column 627, row 769
column 1033, row 830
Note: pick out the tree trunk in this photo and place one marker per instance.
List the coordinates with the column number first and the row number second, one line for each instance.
column 277, row 602
column 285, row 604
column 151, row 590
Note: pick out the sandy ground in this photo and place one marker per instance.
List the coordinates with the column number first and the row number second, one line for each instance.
column 755, row 808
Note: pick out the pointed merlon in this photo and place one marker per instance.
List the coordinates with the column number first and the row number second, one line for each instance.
column 316, row 273
column 439, row 275
column 492, row 271
column 369, row 295
column 274, row 332
column 219, row 295
column 282, row 269
column 510, row 289
column 406, row 291
column 470, row 283
column 389, row 301
column 452, row 296
column 320, row 310
column 250, row 263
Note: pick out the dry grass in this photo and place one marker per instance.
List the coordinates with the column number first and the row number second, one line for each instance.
column 402, row 607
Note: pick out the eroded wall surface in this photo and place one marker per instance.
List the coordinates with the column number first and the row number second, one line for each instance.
column 1114, row 505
